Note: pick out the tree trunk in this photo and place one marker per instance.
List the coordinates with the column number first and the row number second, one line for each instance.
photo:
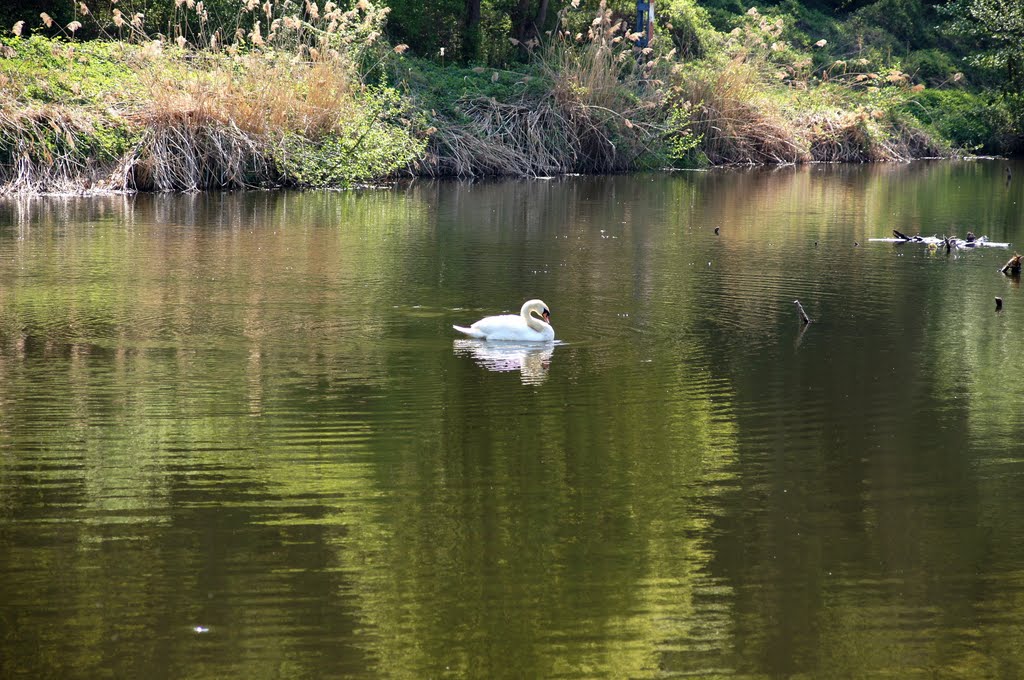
column 542, row 17
column 471, row 36
column 522, row 30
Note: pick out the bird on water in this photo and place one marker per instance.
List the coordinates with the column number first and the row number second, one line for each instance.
column 522, row 327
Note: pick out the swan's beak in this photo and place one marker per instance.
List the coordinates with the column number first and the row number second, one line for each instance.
column 547, row 316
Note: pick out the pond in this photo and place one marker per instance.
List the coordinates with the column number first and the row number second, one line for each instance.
column 240, row 438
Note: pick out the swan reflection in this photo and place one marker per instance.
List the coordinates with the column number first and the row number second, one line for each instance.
column 531, row 359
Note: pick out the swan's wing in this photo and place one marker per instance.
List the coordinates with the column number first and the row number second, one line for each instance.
column 504, row 326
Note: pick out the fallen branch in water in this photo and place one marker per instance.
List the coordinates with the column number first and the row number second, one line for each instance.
column 1012, row 266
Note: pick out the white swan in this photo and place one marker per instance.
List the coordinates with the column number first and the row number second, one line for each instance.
column 522, row 328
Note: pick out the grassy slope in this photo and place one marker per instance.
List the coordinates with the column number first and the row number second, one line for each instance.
column 123, row 115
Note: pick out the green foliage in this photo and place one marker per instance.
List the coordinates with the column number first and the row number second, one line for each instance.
column 994, row 30
column 970, row 121
column 1014, row 104
column 932, row 67
column 427, row 27
column 59, row 71
column 372, row 145
column 440, row 89
column 722, row 14
column 683, row 143
column 908, row 22
column 689, row 26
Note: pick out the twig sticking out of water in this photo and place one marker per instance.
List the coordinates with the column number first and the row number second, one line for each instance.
column 999, row 303
column 803, row 315
column 1012, row 266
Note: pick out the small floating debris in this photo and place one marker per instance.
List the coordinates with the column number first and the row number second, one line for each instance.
column 949, row 242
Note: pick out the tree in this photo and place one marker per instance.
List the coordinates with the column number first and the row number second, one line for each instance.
column 997, row 29
column 471, row 41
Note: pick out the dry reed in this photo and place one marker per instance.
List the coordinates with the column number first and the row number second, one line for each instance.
column 188, row 152
column 736, row 123
column 44, row 146
column 866, row 136
column 602, row 110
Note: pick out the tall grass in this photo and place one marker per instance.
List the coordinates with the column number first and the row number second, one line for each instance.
column 601, row 108
column 758, row 101
column 737, row 121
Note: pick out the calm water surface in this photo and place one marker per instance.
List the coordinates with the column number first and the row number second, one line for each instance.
column 239, row 438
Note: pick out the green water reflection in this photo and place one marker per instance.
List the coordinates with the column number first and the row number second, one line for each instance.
column 238, row 437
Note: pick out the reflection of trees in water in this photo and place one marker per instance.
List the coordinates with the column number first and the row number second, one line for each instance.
column 910, row 364
column 265, row 389
column 561, row 526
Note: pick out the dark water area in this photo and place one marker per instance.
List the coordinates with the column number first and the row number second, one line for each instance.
column 239, row 437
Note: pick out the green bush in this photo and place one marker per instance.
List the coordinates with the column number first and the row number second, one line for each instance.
column 932, row 67
column 691, row 30
column 970, row 121
column 908, row 21
column 1013, row 103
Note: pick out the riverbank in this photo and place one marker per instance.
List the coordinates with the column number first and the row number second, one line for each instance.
column 326, row 101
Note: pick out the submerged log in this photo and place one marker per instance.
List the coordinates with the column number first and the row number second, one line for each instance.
column 1012, row 266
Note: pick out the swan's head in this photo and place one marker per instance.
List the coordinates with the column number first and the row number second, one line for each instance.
column 538, row 307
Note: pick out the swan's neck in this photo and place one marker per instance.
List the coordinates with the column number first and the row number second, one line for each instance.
column 533, row 322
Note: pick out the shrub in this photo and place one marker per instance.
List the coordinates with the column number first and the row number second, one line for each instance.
column 969, row 121
column 689, row 27
column 932, row 67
